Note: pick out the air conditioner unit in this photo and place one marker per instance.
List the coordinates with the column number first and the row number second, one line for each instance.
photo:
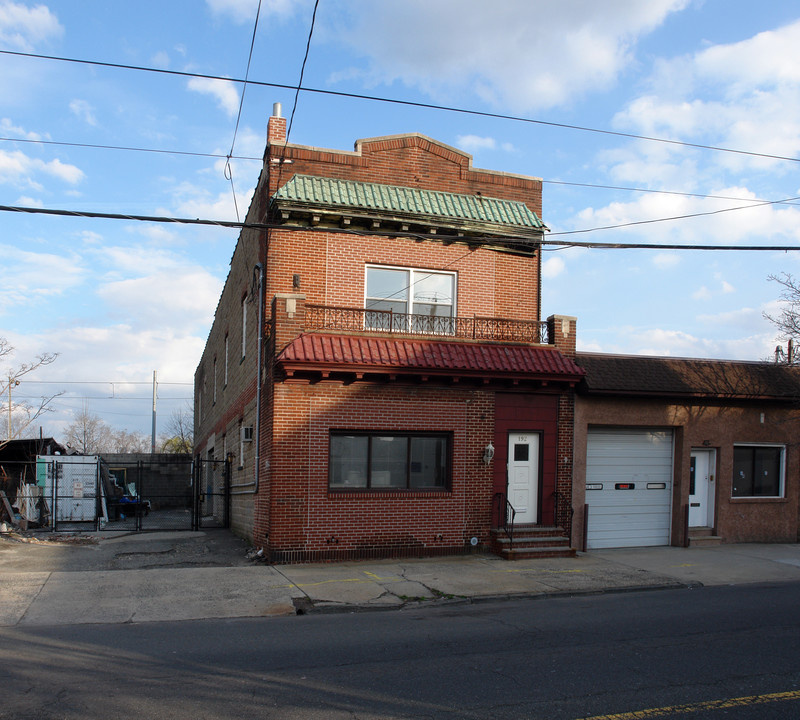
column 247, row 433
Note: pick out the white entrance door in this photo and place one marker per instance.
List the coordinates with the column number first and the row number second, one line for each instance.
column 701, row 495
column 523, row 476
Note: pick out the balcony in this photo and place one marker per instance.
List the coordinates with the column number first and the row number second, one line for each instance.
column 360, row 320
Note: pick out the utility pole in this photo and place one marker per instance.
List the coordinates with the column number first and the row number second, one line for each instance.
column 153, row 441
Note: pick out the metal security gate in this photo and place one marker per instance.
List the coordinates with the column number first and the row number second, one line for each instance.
column 212, row 483
column 86, row 493
column 628, row 487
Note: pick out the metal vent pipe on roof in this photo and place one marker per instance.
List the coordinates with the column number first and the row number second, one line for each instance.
column 276, row 110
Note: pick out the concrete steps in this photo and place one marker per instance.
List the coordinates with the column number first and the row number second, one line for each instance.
column 532, row 541
column 703, row 537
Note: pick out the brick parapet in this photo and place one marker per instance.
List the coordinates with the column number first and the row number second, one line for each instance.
column 563, row 333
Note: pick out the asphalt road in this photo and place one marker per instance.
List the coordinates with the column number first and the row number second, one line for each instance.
column 717, row 652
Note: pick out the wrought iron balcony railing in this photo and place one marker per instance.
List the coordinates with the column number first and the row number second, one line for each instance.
column 323, row 317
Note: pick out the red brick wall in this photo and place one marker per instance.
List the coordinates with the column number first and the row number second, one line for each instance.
column 405, row 160
column 293, row 508
column 304, row 514
column 332, row 266
column 717, row 425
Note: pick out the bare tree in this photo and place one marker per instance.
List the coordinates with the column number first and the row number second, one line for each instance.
column 127, row 441
column 179, row 434
column 89, row 434
column 16, row 416
column 788, row 322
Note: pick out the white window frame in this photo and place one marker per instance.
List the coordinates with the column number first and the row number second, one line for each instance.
column 782, row 480
column 412, row 280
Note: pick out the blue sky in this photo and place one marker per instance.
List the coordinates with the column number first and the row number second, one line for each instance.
column 119, row 299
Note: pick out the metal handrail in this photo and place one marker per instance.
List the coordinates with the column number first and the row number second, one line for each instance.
column 326, row 317
column 504, row 509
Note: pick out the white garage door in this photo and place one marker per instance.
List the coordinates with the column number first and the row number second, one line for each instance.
column 628, row 487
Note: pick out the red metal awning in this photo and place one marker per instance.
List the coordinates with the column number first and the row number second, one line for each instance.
column 349, row 353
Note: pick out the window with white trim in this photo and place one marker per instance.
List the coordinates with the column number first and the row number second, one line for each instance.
column 758, row 471
column 244, row 325
column 410, row 300
column 389, row 461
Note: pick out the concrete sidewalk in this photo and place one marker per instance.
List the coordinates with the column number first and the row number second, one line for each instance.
column 153, row 577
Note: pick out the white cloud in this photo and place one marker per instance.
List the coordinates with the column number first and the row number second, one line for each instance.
column 223, row 91
column 195, row 202
column 160, row 60
column 675, row 343
column 27, row 277
column 474, row 143
column 25, row 27
column 666, row 261
column 696, row 220
column 553, row 267
column 158, row 298
column 17, row 167
column 84, row 111
column 741, row 319
column 7, row 128
column 725, row 286
column 743, row 95
column 702, row 293
column 242, row 11
column 449, row 47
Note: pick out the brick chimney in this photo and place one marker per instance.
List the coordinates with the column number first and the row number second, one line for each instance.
column 276, row 126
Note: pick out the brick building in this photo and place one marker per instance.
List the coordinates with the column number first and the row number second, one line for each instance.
column 377, row 371
column 679, row 451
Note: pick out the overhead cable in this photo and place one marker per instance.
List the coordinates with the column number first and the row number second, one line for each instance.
column 521, row 241
column 409, row 103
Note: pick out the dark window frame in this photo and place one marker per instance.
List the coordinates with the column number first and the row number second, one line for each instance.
column 371, row 435
column 753, row 448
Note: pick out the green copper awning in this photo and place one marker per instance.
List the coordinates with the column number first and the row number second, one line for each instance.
column 322, row 200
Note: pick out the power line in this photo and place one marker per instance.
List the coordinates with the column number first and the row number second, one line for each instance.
column 521, row 241
column 218, row 156
column 302, row 69
column 101, row 382
column 407, row 103
column 127, row 148
column 677, row 217
column 702, row 196
column 228, row 169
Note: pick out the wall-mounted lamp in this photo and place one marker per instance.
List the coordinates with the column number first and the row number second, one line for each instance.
column 488, row 454
column 296, row 281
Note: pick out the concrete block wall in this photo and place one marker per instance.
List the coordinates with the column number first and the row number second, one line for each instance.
column 165, row 480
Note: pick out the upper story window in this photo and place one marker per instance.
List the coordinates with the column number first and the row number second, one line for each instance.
column 758, row 470
column 214, row 370
column 225, row 381
column 244, row 325
column 410, row 300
